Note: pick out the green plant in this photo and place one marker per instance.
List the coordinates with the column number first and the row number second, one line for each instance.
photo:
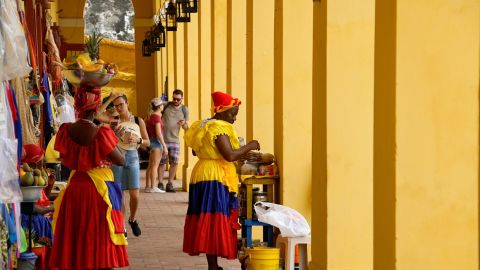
column 92, row 45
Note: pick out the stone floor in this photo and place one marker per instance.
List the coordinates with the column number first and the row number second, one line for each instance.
column 161, row 217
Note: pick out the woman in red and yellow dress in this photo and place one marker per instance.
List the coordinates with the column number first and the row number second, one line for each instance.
column 212, row 217
column 88, row 222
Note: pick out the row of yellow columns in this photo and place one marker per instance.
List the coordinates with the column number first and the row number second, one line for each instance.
column 396, row 128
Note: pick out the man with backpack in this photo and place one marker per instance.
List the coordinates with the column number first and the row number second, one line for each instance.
column 175, row 115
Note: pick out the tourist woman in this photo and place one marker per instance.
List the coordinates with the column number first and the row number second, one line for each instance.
column 158, row 148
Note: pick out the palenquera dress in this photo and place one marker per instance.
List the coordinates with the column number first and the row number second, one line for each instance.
column 88, row 222
column 212, row 218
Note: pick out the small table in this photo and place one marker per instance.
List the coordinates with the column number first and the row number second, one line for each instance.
column 270, row 185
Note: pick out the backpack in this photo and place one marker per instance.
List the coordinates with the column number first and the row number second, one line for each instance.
column 184, row 109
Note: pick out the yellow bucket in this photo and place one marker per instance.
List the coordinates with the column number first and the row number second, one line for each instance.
column 262, row 258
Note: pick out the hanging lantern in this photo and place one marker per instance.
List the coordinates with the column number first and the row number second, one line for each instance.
column 182, row 14
column 146, row 45
column 171, row 19
column 192, row 7
column 157, row 38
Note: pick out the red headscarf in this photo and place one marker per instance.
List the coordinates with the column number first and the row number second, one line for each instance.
column 86, row 100
column 223, row 101
column 33, row 153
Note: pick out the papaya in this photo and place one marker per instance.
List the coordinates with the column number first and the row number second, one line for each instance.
column 41, row 181
column 27, row 179
column 93, row 68
column 25, row 167
column 44, row 174
column 37, row 172
column 84, row 59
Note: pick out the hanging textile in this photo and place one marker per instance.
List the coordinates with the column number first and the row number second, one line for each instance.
column 9, row 179
column 47, row 109
column 23, row 103
column 15, row 63
column 53, row 56
column 16, row 120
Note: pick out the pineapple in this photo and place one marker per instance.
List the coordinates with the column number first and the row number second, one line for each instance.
column 92, row 45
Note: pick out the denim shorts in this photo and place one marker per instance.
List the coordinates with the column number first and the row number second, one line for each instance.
column 154, row 143
column 128, row 176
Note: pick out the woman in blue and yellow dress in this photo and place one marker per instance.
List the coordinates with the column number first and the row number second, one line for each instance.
column 212, row 218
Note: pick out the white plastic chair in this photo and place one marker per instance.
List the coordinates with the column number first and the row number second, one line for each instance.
column 290, row 243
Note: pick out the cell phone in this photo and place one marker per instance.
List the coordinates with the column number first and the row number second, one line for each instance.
column 113, row 124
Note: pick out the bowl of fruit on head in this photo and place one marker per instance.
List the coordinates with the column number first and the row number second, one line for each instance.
column 86, row 69
column 32, row 182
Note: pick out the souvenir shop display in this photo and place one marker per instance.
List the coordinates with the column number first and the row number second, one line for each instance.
column 27, row 116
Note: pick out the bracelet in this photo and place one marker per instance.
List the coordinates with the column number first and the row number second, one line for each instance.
column 141, row 141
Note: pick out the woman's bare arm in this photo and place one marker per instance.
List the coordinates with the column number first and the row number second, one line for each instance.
column 225, row 148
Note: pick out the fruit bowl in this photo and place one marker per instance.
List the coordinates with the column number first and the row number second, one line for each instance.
column 80, row 77
column 31, row 193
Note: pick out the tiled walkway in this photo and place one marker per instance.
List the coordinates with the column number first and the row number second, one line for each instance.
column 161, row 217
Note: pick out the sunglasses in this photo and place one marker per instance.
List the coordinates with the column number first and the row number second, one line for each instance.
column 119, row 105
column 177, row 99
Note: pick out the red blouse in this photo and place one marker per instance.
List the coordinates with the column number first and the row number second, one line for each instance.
column 85, row 157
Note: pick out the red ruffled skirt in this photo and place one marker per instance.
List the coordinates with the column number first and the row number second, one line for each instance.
column 212, row 220
column 82, row 237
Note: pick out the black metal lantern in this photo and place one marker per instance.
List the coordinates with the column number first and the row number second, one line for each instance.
column 192, row 7
column 157, row 38
column 182, row 14
column 146, row 45
column 171, row 17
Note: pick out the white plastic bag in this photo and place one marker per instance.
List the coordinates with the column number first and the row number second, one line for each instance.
column 15, row 62
column 290, row 222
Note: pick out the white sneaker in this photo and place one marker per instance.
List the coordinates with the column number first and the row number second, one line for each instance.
column 148, row 190
column 157, row 190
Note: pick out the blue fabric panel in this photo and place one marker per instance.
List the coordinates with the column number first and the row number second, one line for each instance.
column 210, row 197
column 115, row 194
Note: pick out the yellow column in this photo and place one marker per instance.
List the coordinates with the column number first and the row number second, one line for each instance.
column 180, row 84
column 384, row 136
column 437, row 135
column 192, row 90
column 293, row 109
column 164, row 53
column 158, row 60
column 145, row 74
column 319, row 138
column 171, row 58
column 262, row 70
column 205, row 50
column 349, row 97
column 220, row 45
column 239, row 50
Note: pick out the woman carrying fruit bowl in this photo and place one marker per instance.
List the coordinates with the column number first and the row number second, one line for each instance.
column 33, row 173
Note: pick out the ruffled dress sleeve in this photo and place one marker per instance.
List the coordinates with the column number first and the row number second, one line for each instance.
column 201, row 137
column 219, row 127
column 85, row 157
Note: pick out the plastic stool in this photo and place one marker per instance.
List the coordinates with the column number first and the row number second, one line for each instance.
column 290, row 243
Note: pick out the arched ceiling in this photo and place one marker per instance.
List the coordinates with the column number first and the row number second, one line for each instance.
column 74, row 8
